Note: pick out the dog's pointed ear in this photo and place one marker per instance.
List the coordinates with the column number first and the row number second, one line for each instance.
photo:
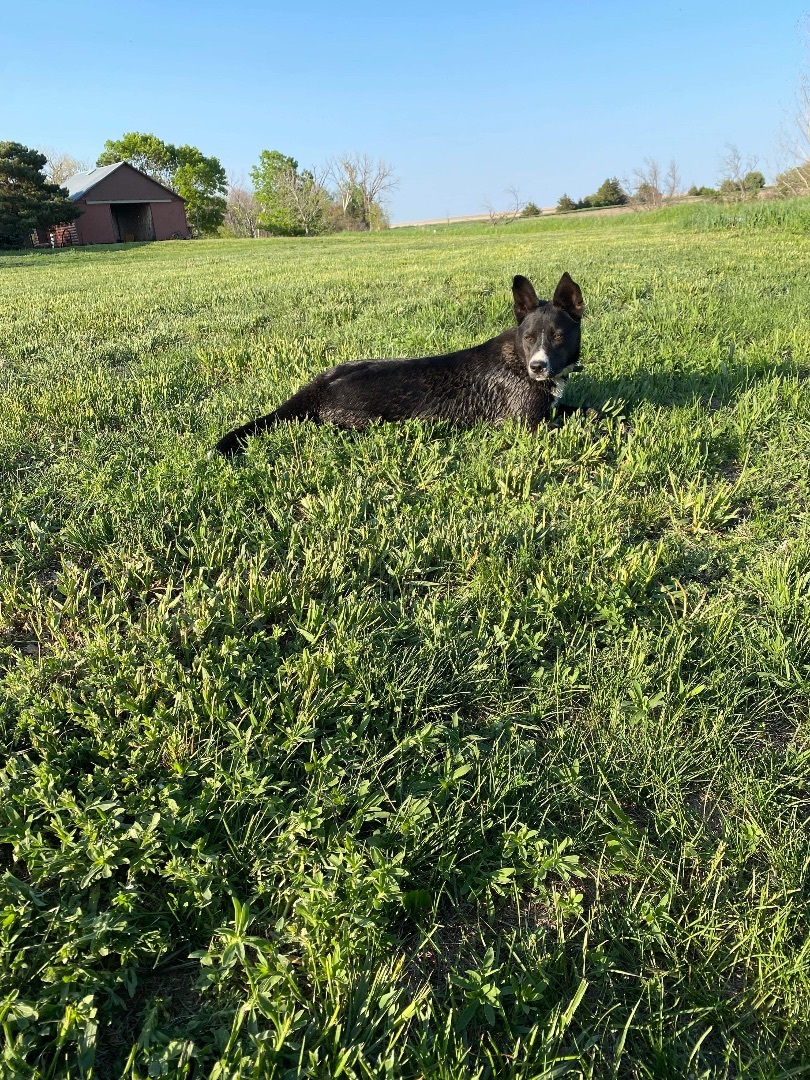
column 524, row 296
column 568, row 296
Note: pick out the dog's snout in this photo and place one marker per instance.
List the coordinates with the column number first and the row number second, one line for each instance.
column 537, row 366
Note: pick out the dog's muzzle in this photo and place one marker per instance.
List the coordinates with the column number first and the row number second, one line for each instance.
column 538, row 365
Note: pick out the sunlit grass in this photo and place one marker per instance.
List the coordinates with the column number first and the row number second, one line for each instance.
column 424, row 751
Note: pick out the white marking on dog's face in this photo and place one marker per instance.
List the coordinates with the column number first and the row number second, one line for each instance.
column 539, row 361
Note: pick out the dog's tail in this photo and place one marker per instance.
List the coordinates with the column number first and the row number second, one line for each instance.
column 298, row 407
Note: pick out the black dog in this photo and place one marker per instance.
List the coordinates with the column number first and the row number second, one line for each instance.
column 518, row 375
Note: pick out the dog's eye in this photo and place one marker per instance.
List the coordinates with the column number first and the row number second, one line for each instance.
column 529, row 337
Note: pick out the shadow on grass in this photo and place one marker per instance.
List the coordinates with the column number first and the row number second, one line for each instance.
column 676, row 388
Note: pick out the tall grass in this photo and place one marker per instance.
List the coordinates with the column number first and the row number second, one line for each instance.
column 417, row 752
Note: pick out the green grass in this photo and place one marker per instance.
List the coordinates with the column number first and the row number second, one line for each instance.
column 421, row 752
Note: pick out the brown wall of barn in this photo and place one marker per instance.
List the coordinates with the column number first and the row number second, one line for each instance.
column 169, row 218
column 127, row 183
column 95, row 225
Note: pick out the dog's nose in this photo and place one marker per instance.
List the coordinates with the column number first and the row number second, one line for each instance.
column 537, row 366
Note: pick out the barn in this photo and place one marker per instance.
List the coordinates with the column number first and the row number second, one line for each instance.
column 120, row 204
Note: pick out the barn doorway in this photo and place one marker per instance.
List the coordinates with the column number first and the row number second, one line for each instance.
column 132, row 222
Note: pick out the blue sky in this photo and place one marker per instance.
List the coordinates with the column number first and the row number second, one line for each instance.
column 466, row 100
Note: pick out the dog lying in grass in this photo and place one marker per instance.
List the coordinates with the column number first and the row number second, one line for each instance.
column 519, row 375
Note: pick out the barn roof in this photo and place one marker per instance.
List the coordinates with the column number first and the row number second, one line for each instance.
column 79, row 184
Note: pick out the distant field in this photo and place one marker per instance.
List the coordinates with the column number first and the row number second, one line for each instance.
column 422, row 752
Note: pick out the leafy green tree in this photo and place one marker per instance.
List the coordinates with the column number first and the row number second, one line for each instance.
column 27, row 200
column 565, row 203
column 293, row 203
column 200, row 180
column 531, row 210
column 146, row 152
column 609, row 193
column 753, row 181
column 269, row 181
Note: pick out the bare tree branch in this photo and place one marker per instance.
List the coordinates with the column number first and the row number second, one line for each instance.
column 362, row 184
column 59, row 166
column 242, row 210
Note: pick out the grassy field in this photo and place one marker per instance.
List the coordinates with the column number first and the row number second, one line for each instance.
column 421, row 752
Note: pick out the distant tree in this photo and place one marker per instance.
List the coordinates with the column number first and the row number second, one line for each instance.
column 309, row 201
column 739, row 179
column 146, row 152
column 672, row 181
column 504, row 217
column 795, row 182
column 27, row 199
column 60, row 166
column 200, row 180
column 794, row 142
column 531, row 210
column 362, row 185
column 242, row 210
column 268, row 182
column 609, row 193
column 646, row 188
column 565, row 204
column 292, row 203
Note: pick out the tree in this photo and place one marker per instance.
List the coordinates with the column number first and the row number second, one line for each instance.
column 27, row 199
column 795, row 182
column 531, row 210
column 146, row 152
column 672, row 181
column 292, row 203
column 200, row 180
column 645, row 190
column 308, row 199
column 362, row 185
column 794, row 143
column 609, row 193
column 565, row 204
column 739, row 179
column 60, row 166
column 242, row 210
column 269, row 178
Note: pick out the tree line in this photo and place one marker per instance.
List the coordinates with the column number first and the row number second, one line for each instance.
column 349, row 192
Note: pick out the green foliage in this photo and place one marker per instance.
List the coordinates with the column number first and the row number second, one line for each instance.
column 531, row 210
column 269, row 181
column 200, row 180
column 419, row 751
column 27, row 200
column 609, row 193
column 703, row 192
column 146, row 152
column 753, row 181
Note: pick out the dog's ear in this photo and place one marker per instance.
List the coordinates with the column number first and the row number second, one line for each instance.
column 524, row 296
column 568, row 296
